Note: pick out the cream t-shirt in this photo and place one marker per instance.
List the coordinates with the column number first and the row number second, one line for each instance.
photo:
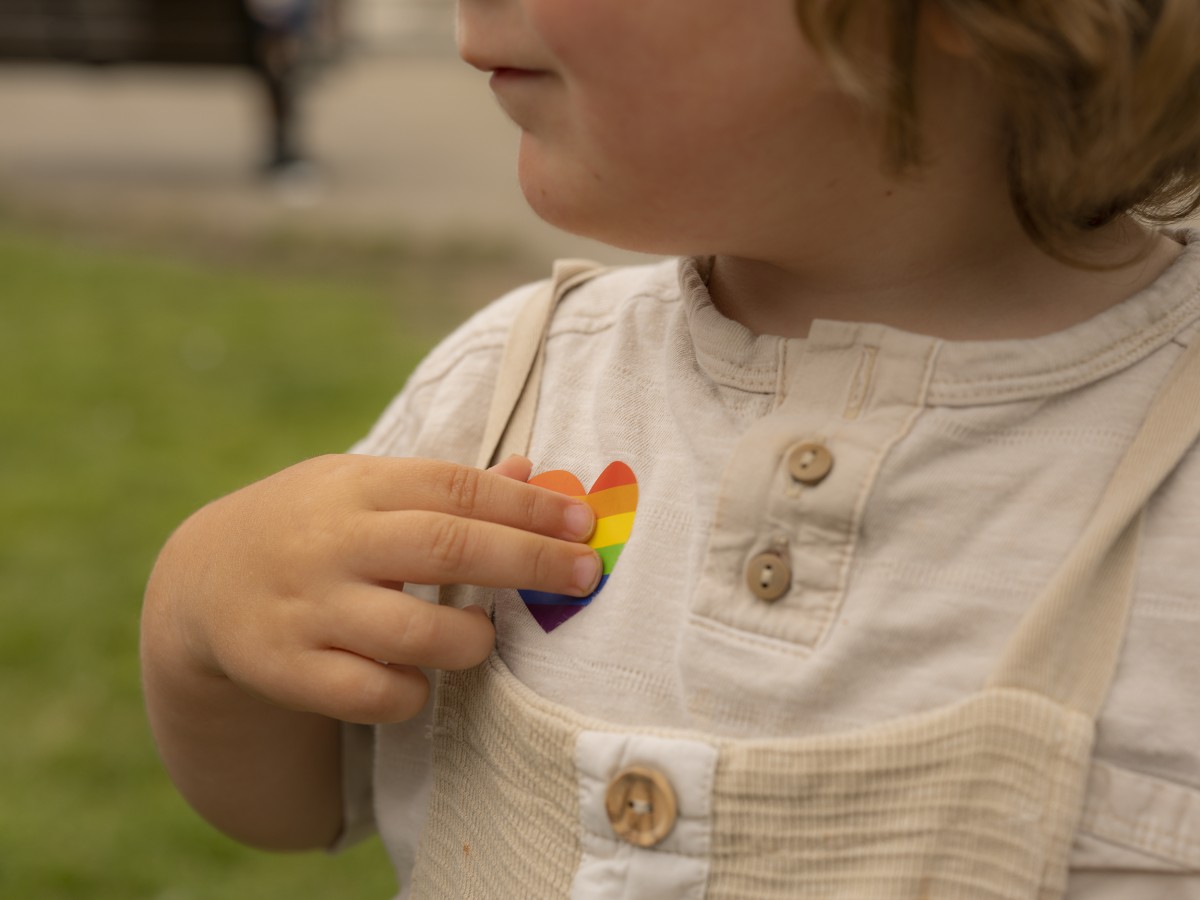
column 962, row 473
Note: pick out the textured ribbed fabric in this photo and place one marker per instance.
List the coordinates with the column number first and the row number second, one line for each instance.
column 979, row 800
column 973, row 802
column 504, row 816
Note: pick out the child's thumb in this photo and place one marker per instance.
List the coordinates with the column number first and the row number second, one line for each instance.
column 516, row 467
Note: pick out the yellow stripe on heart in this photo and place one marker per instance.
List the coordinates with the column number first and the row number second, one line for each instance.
column 612, row 530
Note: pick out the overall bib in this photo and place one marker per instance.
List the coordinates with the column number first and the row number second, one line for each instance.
column 972, row 801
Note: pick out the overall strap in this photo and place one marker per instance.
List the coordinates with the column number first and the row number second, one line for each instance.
column 510, row 419
column 1068, row 644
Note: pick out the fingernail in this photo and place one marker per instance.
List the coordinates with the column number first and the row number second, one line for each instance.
column 587, row 573
column 579, row 520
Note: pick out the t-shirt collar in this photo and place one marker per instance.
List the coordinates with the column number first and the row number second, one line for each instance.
column 966, row 372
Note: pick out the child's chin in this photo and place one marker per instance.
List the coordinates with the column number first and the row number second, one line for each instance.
column 586, row 222
column 572, row 202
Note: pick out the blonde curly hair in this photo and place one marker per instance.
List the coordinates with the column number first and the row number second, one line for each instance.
column 1100, row 98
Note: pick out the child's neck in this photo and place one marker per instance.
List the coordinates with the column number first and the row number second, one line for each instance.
column 1001, row 291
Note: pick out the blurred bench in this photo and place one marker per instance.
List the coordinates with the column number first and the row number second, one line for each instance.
column 182, row 32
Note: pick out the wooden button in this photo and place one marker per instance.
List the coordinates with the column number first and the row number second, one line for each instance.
column 809, row 463
column 641, row 806
column 769, row 576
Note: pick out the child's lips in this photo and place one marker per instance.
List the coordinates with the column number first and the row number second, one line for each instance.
column 509, row 75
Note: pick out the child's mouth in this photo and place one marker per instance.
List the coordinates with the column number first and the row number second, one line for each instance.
column 504, row 74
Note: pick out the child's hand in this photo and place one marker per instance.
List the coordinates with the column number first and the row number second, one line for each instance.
column 292, row 588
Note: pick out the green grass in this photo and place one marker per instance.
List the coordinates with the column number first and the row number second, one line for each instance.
column 133, row 391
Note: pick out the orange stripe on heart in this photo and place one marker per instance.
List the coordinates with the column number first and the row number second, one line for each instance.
column 613, row 497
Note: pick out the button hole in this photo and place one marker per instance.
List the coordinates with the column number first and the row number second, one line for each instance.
column 641, row 807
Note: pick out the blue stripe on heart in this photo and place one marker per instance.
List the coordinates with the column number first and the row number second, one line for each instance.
column 542, row 598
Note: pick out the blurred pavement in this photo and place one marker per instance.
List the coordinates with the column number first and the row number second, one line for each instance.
column 407, row 139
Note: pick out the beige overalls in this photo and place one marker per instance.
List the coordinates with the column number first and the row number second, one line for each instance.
column 976, row 800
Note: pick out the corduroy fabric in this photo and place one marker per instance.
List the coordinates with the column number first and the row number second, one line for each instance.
column 504, row 814
column 978, row 801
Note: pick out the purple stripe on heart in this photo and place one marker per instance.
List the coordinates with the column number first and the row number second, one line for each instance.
column 549, row 610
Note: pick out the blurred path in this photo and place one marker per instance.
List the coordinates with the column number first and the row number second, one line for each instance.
column 408, row 142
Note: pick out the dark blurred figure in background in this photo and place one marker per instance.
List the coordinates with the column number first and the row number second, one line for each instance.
column 289, row 37
column 280, row 40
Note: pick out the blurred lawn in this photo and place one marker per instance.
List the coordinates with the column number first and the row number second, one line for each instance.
column 133, row 391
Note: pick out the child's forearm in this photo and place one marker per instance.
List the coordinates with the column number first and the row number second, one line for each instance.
column 265, row 775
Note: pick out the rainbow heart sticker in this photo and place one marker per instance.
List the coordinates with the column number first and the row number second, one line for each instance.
column 613, row 498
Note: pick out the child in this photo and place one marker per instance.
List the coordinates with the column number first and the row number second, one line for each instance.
column 890, row 477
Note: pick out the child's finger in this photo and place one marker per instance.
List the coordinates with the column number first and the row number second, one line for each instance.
column 435, row 548
column 394, row 627
column 519, row 468
column 352, row 688
column 442, row 487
